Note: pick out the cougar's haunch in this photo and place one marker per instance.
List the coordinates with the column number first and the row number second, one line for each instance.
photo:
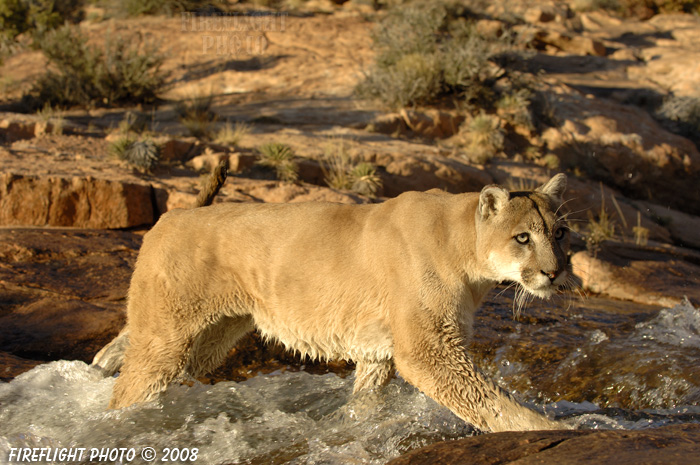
column 390, row 286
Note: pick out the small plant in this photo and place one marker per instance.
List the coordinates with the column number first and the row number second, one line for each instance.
column 196, row 115
column 641, row 234
column 143, row 155
column 231, row 134
column 281, row 158
column 53, row 118
column 682, row 116
column 515, row 108
column 133, row 121
column 484, row 137
column 124, row 71
column 600, row 228
column 365, row 180
column 340, row 173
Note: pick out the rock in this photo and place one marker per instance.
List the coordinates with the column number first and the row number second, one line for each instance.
column 239, row 162
column 684, row 228
column 178, row 150
column 649, row 275
column 578, row 45
column 77, row 201
column 490, row 28
column 14, row 128
column 675, row 444
column 431, row 123
column 63, row 290
column 625, row 147
column 207, row 161
column 538, row 14
column 411, row 173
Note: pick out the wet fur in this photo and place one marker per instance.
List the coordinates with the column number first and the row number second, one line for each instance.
column 390, row 286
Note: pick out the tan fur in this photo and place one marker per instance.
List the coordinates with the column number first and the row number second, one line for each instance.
column 389, row 286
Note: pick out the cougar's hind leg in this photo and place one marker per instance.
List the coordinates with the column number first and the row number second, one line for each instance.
column 372, row 374
column 214, row 342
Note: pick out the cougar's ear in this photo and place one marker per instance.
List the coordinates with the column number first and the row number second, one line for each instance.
column 555, row 187
column 491, row 200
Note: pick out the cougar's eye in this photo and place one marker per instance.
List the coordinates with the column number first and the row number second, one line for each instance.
column 522, row 238
column 559, row 234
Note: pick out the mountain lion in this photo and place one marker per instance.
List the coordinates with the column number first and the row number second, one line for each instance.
column 389, row 286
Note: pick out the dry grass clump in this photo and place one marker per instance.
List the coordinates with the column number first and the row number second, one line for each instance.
column 231, row 134
column 281, row 158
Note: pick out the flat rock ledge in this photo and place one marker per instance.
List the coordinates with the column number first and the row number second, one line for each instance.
column 676, row 444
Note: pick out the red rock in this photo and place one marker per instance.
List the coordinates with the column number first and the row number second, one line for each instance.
column 78, row 201
column 676, row 444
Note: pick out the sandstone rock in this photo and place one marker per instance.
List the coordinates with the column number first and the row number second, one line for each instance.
column 238, row 162
column 63, row 290
column 674, row 444
column 411, row 173
column 684, row 228
column 12, row 129
column 431, row 123
column 490, row 28
column 174, row 150
column 73, row 201
column 648, row 275
column 578, row 45
column 625, row 147
column 207, row 161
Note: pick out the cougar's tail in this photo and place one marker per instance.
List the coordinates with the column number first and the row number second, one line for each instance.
column 109, row 360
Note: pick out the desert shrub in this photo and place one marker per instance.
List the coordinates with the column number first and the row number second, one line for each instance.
column 80, row 74
column 424, row 53
column 281, row 158
column 682, row 116
column 37, row 16
column 483, row 137
column 196, row 115
column 514, row 107
column 143, row 155
column 160, row 7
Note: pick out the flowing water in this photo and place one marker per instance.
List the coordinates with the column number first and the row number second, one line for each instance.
column 623, row 369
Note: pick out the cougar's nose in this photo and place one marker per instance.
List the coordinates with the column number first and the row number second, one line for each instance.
column 552, row 275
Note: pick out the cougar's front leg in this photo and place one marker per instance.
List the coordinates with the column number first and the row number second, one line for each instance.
column 430, row 353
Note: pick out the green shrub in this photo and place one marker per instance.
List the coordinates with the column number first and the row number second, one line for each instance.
column 37, row 16
column 80, row 74
column 281, row 158
column 424, row 53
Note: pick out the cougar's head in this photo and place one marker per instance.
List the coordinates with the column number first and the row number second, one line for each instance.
column 522, row 238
